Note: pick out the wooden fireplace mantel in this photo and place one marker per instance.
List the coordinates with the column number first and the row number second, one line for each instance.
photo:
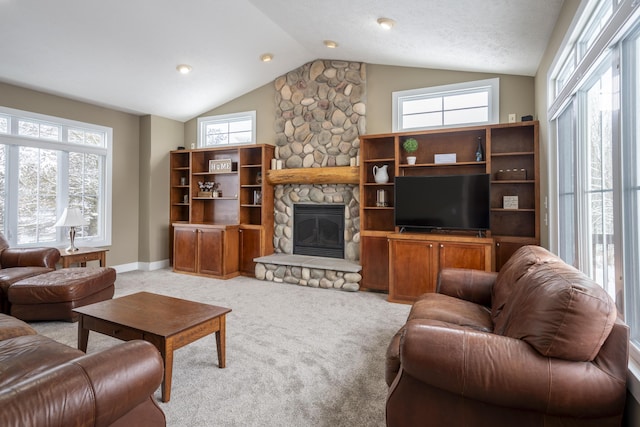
column 325, row 175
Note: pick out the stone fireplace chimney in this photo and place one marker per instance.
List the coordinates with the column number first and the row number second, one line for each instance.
column 320, row 114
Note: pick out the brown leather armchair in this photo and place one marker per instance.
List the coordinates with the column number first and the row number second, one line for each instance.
column 20, row 263
column 538, row 344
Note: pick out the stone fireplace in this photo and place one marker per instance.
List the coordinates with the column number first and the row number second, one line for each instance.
column 342, row 195
column 320, row 114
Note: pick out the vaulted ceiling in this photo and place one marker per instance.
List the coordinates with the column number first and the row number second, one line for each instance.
column 123, row 54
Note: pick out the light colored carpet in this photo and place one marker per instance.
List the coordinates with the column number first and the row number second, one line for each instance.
column 296, row 356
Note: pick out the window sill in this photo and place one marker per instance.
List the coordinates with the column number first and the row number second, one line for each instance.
column 633, row 379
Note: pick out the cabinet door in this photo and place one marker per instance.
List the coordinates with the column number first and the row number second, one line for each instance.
column 185, row 241
column 412, row 269
column 465, row 255
column 249, row 249
column 374, row 257
column 211, row 251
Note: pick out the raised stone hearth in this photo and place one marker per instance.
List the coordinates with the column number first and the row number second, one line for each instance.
column 304, row 270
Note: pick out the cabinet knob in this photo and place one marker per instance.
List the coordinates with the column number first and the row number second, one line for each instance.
column 441, row 245
column 498, row 244
column 430, row 245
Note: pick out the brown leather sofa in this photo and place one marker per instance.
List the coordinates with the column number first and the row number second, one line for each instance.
column 537, row 344
column 46, row 383
column 21, row 263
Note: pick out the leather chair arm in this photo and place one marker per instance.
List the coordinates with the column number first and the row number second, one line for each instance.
column 93, row 390
column 504, row 371
column 467, row 284
column 29, row 257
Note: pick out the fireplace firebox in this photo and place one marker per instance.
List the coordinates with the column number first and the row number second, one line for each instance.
column 318, row 229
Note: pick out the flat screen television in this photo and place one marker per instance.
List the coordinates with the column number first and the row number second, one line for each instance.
column 442, row 202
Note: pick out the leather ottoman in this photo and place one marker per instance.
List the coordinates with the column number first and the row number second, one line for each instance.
column 53, row 296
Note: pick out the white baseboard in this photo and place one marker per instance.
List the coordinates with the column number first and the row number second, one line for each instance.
column 143, row 266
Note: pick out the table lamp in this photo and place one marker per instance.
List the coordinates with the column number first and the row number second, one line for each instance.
column 72, row 218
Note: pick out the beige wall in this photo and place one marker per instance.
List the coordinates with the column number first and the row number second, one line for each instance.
column 158, row 136
column 516, row 92
column 126, row 133
column 262, row 100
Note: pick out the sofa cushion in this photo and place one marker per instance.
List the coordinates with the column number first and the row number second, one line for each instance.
column 561, row 312
column 28, row 355
column 9, row 276
column 448, row 309
column 64, row 285
column 10, row 327
column 519, row 264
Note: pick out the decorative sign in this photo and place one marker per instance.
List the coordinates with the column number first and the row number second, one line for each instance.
column 220, row 166
column 510, row 202
column 445, row 158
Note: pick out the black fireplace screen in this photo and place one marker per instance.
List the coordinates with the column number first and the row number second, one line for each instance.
column 318, row 229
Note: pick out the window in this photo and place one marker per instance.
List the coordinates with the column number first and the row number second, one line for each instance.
column 228, row 129
column 596, row 141
column 566, row 186
column 47, row 164
column 631, row 189
column 471, row 103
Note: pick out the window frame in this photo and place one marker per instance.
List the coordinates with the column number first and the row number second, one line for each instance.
column 225, row 118
column 490, row 86
column 12, row 139
column 622, row 25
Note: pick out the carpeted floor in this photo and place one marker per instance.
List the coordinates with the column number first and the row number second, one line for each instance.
column 296, row 356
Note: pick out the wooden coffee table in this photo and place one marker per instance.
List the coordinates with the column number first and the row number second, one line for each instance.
column 166, row 322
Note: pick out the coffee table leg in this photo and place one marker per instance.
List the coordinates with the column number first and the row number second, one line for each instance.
column 83, row 335
column 167, row 357
column 221, row 342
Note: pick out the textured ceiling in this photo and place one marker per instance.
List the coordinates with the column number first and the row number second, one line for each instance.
column 123, row 54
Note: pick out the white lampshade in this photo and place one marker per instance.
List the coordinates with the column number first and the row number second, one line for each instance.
column 71, row 217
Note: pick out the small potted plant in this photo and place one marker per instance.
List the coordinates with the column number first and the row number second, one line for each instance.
column 410, row 145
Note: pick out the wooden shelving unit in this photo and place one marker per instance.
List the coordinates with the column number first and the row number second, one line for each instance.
column 504, row 147
column 225, row 217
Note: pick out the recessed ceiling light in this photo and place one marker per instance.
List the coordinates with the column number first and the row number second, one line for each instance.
column 386, row 23
column 267, row 57
column 184, row 68
column 330, row 44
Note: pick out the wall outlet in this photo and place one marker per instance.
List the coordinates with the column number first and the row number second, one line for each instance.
column 512, row 118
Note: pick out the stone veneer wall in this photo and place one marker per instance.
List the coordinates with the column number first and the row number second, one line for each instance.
column 288, row 195
column 320, row 115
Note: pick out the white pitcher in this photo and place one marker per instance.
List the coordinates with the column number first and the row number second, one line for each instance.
column 380, row 174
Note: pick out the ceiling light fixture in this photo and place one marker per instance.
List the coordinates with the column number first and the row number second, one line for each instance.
column 267, row 57
column 330, row 44
column 184, row 68
column 386, row 23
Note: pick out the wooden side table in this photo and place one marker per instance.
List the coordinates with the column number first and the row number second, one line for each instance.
column 82, row 255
